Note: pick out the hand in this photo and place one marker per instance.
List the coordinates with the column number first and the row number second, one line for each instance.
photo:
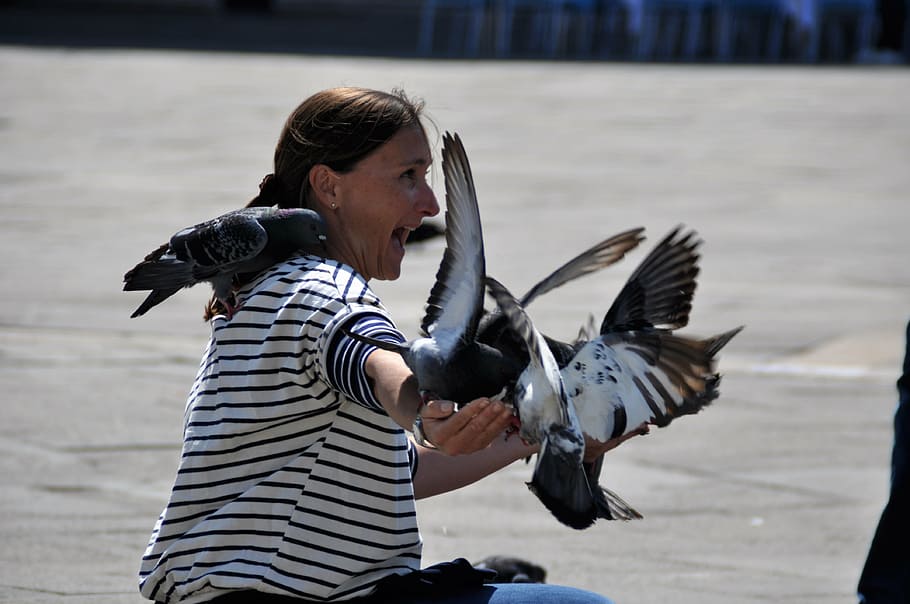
column 471, row 429
column 595, row 448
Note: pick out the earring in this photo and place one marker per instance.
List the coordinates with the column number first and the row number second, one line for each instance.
column 334, row 206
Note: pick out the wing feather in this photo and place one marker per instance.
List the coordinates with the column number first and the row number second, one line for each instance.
column 456, row 300
column 653, row 376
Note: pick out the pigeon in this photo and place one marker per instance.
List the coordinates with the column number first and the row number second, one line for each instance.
column 451, row 360
column 510, row 569
column 635, row 371
column 247, row 240
column 548, row 418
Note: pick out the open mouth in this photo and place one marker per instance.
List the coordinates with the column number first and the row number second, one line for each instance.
column 401, row 235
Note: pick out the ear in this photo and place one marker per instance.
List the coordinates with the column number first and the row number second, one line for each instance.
column 324, row 185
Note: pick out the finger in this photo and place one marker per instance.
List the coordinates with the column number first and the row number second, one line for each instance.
column 476, row 426
column 487, row 424
column 437, row 409
column 456, row 423
column 494, row 420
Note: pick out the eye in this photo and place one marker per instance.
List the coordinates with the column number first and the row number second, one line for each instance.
column 416, row 175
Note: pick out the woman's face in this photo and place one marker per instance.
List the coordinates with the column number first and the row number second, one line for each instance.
column 379, row 202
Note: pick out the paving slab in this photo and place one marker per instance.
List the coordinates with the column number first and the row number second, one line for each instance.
column 795, row 177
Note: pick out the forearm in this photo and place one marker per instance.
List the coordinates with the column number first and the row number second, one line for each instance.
column 438, row 473
column 394, row 386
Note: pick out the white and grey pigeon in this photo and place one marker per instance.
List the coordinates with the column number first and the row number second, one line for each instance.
column 635, row 371
column 247, row 240
column 451, row 360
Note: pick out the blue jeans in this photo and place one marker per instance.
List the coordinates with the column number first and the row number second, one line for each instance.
column 886, row 575
column 496, row 593
column 518, row 593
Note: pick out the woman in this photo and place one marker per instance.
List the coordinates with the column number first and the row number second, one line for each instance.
column 296, row 479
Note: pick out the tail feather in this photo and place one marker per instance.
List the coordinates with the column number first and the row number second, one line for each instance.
column 154, row 299
column 164, row 273
column 716, row 343
column 575, row 499
column 609, row 504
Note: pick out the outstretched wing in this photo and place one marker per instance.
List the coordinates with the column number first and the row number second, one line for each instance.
column 456, row 299
column 659, row 292
column 607, row 252
column 621, row 380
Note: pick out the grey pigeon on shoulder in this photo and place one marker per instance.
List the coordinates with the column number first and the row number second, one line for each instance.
column 244, row 241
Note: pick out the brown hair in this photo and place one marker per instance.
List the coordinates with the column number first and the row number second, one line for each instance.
column 337, row 127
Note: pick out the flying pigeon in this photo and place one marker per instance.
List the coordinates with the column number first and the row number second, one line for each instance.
column 247, row 240
column 636, row 371
column 450, row 360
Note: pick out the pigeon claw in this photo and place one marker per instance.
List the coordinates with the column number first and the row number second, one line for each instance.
column 230, row 309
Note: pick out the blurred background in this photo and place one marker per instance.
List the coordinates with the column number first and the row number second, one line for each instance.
column 749, row 31
column 779, row 131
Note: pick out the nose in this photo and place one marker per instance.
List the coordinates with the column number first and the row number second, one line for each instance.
column 427, row 204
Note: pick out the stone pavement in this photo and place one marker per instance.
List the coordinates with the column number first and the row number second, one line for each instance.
column 796, row 178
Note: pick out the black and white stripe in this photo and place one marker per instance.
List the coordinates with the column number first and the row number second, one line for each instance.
column 293, row 479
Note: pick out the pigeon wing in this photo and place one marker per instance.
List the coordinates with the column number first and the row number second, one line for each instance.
column 607, row 252
column 659, row 292
column 220, row 244
column 621, row 380
column 493, row 328
column 456, row 300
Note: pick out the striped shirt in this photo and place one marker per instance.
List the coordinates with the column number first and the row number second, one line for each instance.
column 293, row 479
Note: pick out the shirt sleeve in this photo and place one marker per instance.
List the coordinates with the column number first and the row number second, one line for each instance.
column 345, row 357
column 413, row 458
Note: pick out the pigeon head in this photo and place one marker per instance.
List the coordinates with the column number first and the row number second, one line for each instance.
column 302, row 226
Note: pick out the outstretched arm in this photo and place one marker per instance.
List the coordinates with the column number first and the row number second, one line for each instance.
column 439, row 473
column 470, row 443
column 471, row 429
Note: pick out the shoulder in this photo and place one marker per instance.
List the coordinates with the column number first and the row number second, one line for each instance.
column 314, row 277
